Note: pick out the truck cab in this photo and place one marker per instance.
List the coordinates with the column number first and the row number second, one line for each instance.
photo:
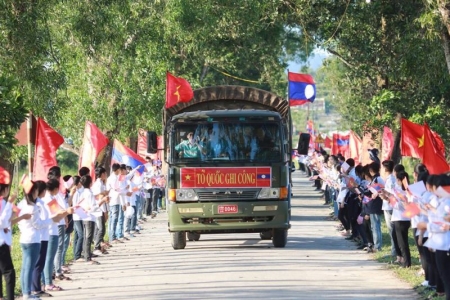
column 228, row 160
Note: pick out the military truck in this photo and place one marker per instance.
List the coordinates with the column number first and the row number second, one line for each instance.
column 228, row 164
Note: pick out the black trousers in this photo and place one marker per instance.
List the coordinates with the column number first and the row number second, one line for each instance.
column 400, row 237
column 155, row 197
column 89, row 227
column 38, row 268
column 342, row 216
column 433, row 263
column 7, row 270
column 443, row 265
column 99, row 232
column 148, row 202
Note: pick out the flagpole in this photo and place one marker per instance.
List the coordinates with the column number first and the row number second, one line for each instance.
column 30, row 144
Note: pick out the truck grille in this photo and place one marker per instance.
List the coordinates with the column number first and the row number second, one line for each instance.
column 226, row 195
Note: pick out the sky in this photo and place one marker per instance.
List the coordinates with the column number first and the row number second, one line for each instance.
column 314, row 61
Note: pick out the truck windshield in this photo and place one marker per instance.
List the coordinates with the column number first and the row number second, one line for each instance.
column 249, row 142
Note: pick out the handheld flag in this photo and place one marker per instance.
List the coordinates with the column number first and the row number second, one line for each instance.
column 302, row 89
column 177, row 90
column 53, row 206
column 411, row 210
column 47, row 142
column 26, row 183
column 124, row 155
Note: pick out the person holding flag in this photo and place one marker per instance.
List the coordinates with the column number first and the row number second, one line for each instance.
column 6, row 213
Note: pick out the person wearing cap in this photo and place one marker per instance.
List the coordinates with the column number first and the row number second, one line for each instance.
column 6, row 213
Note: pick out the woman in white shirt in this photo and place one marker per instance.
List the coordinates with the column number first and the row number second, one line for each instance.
column 438, row 230
column 90, row 206
column 49, row 199
column 6, row 213
column 401, row 225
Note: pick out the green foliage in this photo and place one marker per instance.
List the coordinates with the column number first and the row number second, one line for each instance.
column 13, row 114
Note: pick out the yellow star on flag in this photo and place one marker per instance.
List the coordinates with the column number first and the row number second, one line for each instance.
column 421, row 140
column 188, row 177
column 177, row 93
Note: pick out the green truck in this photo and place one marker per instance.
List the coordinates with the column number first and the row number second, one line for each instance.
column 228, row 164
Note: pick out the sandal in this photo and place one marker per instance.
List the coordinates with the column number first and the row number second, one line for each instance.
column 41, row 294
column 53, row 288
column 92, row 262
column 62, row 277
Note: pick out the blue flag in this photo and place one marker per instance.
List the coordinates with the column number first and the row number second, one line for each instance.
column 302, row 89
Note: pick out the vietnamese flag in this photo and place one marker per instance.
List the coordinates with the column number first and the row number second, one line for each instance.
column 412, row 139
column 177, row 90
column 387, row 143
column 411, row 210
column 47, row 142
column 432, row 157
column 94, row 141
column 54, row 207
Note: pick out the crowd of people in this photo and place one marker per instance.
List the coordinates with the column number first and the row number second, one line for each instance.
column 75, row 210
column 361, row 198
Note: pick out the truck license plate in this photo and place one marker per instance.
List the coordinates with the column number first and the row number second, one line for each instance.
column 228, row 209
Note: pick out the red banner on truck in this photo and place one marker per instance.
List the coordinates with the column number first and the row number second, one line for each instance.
column 249, row 177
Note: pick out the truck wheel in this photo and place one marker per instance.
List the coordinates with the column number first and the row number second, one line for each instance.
column 178, row 240
column 266, row 235
column 279, row 238
column 193, row 236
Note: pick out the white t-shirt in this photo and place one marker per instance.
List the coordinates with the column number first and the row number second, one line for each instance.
column 89, row 204
column 97, row 188
column 5, row 216
column 75, row 200
column 53, row 227
column 45, row 218
column 389, row 187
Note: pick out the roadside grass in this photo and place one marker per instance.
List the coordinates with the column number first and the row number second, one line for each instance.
column 407, row 274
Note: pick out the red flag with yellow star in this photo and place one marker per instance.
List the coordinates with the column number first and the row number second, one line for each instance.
column 433, row 158
column 412, row 139
column 177, row 90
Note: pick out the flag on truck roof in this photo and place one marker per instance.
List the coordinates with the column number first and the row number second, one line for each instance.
column 302, row 89
column 177, row 90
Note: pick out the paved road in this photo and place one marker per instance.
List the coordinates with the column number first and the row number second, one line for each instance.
column 316, row 264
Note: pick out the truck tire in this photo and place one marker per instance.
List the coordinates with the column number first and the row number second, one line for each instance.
column 266, row 235
column 279, row 238
column 178, row 240
column 193, row 236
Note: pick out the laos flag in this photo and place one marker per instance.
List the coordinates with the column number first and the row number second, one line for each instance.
column 302, row 89
column 121, row 154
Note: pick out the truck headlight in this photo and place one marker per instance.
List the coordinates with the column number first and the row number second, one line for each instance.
column 269, row 193
column 186, row 195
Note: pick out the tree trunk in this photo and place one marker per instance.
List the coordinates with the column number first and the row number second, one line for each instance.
column 446, row 45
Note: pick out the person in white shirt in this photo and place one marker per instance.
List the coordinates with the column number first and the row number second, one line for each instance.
column 101, row 196
column 51, row 199
column 30, row 235
column 112, row 185
column 55, row 173
column 130, row 221
column 78, row 236
column 390, row 181
column 438, row 232
column 6, row 214
column 92, row 210
column 401, row 225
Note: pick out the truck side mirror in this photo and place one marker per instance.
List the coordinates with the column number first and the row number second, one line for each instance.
column 152, row 146
column 303, row 144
